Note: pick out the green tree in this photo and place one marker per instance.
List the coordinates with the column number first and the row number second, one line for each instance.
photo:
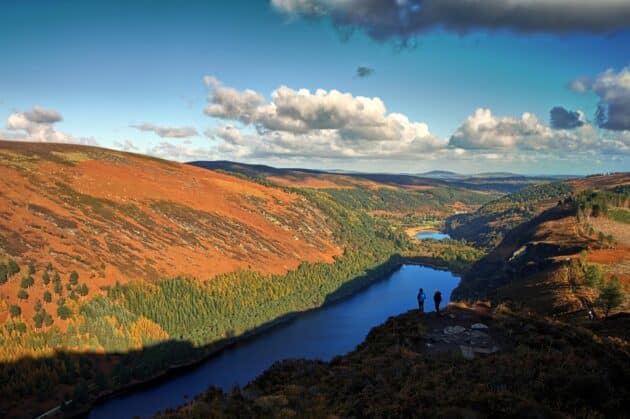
column 22, row 295
column 45, row 278
column 57, row 287
column 64, row 312
column 47, row 296
column 83, row 290
column 31, row 268
column 15, row 311
column 74, row 278
column 611, row 296
column 12, row 267
column 49, row 266
column 27, row 282
column 38, row 305
column 593, row 276
column 4, row 273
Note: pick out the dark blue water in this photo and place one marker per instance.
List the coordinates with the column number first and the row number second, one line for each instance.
column 432, row 235
column 322, row 334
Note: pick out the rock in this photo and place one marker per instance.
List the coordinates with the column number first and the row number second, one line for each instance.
column 452, row 316
column 477, row 334
column 478, row 326
column 454, row 330
column 467, row 352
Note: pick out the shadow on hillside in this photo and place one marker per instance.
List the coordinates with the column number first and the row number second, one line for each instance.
column 39, row 384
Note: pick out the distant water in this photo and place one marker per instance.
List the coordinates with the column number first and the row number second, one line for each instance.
column 432, row 235
column 322, row 334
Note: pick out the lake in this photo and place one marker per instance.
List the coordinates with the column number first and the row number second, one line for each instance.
column 333, row 330
column 432, row 235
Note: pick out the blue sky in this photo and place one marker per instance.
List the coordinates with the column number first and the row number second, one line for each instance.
column 107, row 65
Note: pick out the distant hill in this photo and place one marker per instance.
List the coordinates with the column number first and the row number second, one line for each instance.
column 114, row 217
column 320, row 179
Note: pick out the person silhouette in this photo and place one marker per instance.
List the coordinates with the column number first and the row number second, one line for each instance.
column 437, row 299
column 421, row 298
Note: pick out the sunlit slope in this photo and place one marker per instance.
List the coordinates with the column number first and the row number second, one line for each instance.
column 113, row 216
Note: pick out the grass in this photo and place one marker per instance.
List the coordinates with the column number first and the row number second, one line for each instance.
column 620, row 214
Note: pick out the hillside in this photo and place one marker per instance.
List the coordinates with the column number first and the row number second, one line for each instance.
column 412, row 366
column 116, row 267
column 113, row 216
column 543, row 262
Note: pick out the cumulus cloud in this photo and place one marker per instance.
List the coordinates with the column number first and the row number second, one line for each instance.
column 363, row 72
column 321, row 123
column 37, row 125
column 562, row 118
column 167, row 132
column 385, row 19
column 229, row 103
column 227, row 133
column 613, row 89
column 484, row 131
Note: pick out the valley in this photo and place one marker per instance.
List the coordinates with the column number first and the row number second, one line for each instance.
column 107, row 284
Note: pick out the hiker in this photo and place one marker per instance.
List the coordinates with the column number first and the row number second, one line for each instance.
column 421, row 298
column 437, row 299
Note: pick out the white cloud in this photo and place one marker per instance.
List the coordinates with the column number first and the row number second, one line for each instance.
column 321, row 123
column 484, row 131
column 167, row 132
column 37, row 125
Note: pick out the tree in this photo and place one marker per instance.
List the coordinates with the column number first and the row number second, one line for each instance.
column 38, row 305
column 13, row 267
column 15, row 310
column 57, row 287
column 22, row 295
column 83, row 290
column 27, row 282
column 49, row 266
column 64, row 312
column 593, row 276
column 45, row 278
column 611, row 296
column 74, row 278
column 47, row 296
column 31, row 268
column 4, row 273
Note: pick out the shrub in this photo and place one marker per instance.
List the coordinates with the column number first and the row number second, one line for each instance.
column 45, row 278
column 611, row 296
column 4, row 273
column 27, row 282
column 74, row 278
column 15, row 310
column 12, row 267
column 47, row 296
column 64, row 312
column 22, row 295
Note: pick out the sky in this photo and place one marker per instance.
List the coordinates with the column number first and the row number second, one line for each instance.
column 528, row 86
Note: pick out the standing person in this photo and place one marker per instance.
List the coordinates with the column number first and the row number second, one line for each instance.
column 437, row 299
column 421, row 298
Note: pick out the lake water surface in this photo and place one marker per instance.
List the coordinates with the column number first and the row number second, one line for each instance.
column 432, row 235
column 321, row 334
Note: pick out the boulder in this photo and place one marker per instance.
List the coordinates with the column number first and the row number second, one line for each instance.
column 478, row 326
column 454, row 330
